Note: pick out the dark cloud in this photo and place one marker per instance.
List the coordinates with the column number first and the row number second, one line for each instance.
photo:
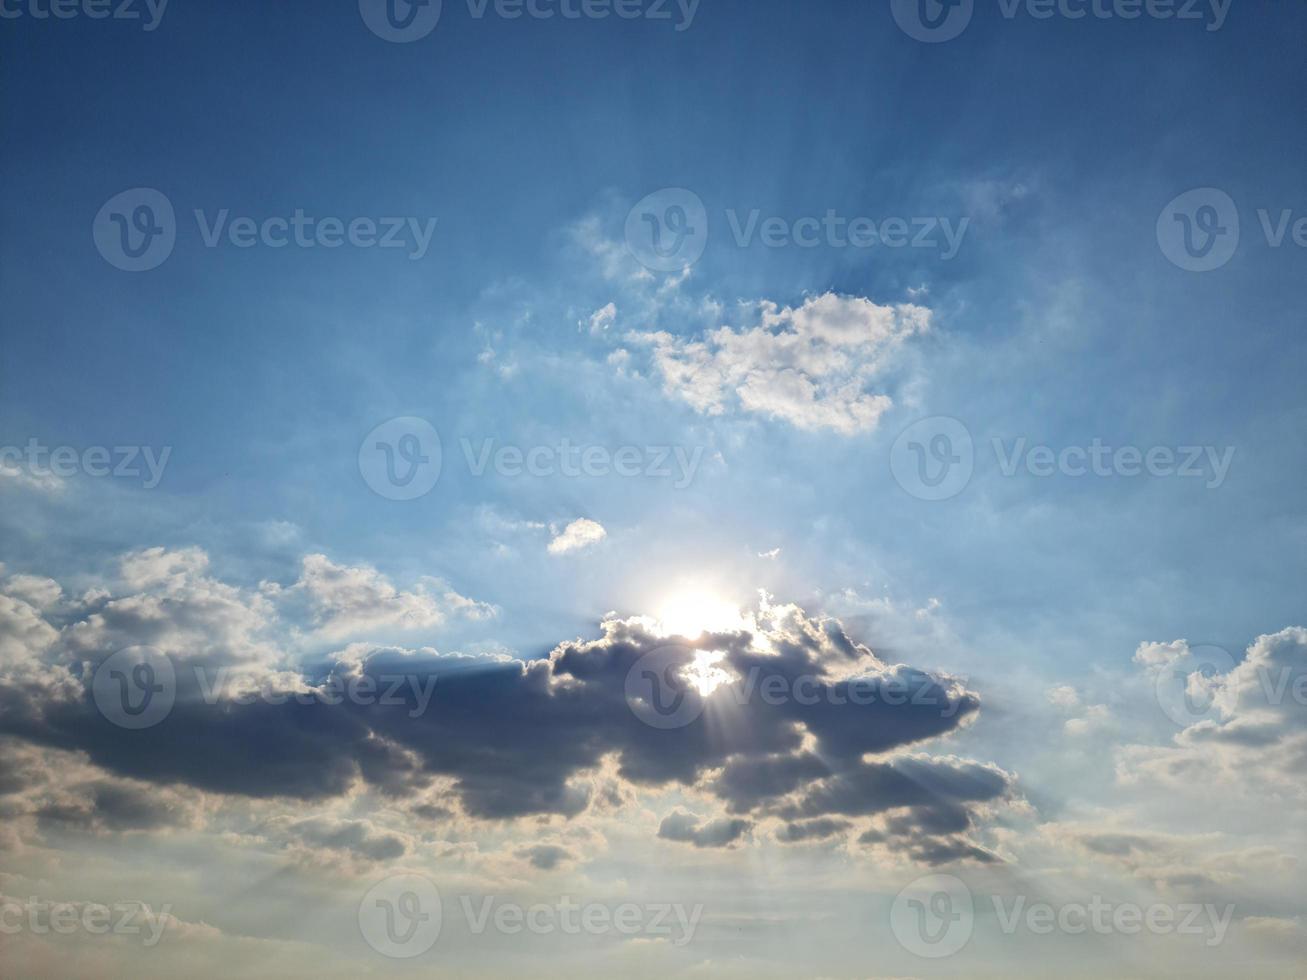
column 518, row 738
column 809, row 830
column 546, row 857
column 690, row 829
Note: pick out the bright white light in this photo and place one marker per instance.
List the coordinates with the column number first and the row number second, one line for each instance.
column 690, row 613
column 704, row 673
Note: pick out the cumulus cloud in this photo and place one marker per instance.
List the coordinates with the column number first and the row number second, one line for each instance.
column 1252, row 729
column 495, row 737
column 351, row 600
column 579, row 534
column 809, row 366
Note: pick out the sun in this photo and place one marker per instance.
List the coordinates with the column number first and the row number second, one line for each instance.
column 693, row 612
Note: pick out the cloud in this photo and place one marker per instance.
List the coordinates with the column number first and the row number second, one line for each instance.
column 546, row 857
column 351, row 600
column 495, row 737
column 603, row 319
column 691, row 829
column 579, row 534
column 1253, row 734
column 810, row 366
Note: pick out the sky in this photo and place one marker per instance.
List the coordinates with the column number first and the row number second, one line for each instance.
column 686, row 489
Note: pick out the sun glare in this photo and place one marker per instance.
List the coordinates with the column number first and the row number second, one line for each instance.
column 689, row 614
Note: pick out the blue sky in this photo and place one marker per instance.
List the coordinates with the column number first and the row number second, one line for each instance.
column 761, row 392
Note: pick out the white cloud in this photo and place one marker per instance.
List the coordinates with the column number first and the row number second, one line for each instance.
column 346, row 600
column 808, row 366
column 603, row 318
column 579, row 534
